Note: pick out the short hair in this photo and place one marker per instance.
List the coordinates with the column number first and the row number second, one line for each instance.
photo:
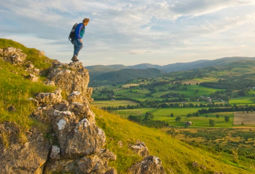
column 85, row 20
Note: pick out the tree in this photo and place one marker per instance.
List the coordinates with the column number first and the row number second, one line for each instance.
column 148, row 116
column 226, row 118
column 211, row 123
column 177, row 119
column 171, row 115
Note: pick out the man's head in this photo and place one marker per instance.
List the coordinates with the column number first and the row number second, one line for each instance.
column 85, row 21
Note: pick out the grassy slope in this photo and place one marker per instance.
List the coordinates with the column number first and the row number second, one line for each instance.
column 177, row 156
column 15, row 89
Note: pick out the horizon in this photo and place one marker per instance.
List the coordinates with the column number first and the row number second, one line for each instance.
column 175, row 62
column 131, row 33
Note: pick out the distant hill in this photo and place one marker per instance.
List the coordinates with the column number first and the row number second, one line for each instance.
column 118, row 74
column 122, row 76
column 170, row 67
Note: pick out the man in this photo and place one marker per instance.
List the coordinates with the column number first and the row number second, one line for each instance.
column 78, row 43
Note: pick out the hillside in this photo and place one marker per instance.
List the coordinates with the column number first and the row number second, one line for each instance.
column 103, row 72
column 47, row 125
column 177, row 157
column 122, row 76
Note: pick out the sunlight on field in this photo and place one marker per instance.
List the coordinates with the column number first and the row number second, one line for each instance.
column 244, row 118
column 244, row 100
column 113, row 103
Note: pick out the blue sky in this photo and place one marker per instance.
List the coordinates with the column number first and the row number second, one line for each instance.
column 132, row 32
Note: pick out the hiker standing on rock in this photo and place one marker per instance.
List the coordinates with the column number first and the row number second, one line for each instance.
column 75, row 37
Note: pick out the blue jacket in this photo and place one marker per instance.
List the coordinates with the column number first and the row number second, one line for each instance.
column 79, row 31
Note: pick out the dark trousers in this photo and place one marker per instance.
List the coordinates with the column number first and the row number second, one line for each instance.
column 77, row 47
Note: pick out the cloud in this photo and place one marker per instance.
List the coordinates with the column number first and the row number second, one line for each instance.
column 138, row 30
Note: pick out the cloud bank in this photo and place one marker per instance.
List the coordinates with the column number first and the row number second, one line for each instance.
column 132, row 32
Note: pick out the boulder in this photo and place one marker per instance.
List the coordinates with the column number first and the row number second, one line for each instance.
column 32, row 77
column 70, row 77
column 49, row 98
column 149, row 165
column 13, row 55
column 19, row 156
column 140, row 148
column 84, row 165
column 85, row 139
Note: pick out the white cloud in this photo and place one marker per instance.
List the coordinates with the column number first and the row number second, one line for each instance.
column 138, row 30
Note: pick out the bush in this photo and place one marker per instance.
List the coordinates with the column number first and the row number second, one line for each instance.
column 211, row 123
column 178, row 119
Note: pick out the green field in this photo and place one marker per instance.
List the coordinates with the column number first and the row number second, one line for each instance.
column 163, row 114
column 243, row 100
column 114, row 103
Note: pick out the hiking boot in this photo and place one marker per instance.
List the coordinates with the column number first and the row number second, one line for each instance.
column 75, row 59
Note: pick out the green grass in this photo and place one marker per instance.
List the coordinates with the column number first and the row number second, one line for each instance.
column 15, row 91
column 113, row 103
column 243, row 100
column 163, row 114
column 35, row 56
column 176, row 156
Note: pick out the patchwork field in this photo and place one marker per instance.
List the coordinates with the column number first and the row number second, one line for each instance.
column 244, row 118
column 114, row 103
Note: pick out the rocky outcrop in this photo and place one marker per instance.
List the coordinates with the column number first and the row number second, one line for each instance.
column 13, row 55
column 149, row 165
column 74, row 143
column 17, row 156
column 140, row 148
column 78, row 143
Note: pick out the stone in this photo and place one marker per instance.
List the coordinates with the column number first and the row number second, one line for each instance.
column 49, row 98
column 13, row 55
column 55, row 152
column 49, row 82
column 84, row 165
column 111, row 171
column 22, row 157
column 85, row 139
column 70, row 77
column 75, row 96
column 140, row 148
column 108, row 155
column 149, row 165
column 32, row 77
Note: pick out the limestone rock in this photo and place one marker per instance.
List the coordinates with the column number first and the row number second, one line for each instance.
column 85, row 165
column 13, row 55
column 70, row 77
column 149, row 165
column 140, row 148
column 49, row 98
column 85, row 139
column 22, row 157
column 32, row 77
column 75, row 96
column 55, row 152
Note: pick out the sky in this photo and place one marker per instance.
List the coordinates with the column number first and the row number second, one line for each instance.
column 132, row 32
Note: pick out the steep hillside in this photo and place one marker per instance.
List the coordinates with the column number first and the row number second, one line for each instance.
column 176, row 156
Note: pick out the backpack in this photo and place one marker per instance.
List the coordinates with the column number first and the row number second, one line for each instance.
column 72, row 33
